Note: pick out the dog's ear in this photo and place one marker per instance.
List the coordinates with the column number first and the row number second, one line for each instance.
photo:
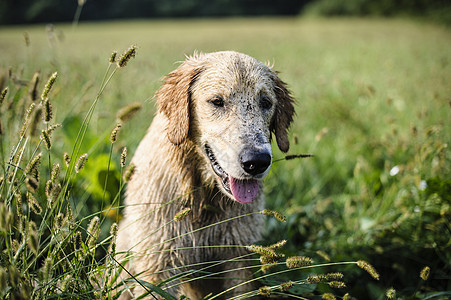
column 283, row 115
column 174, row 100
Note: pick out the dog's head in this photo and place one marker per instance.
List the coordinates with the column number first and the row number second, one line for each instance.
column 228, row 104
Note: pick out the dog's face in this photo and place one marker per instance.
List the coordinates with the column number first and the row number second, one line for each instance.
column 228, row 104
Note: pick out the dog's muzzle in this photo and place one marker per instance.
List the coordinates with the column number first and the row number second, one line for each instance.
column 253, row 163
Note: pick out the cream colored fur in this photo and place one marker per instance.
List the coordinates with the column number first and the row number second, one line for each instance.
column 173, row 172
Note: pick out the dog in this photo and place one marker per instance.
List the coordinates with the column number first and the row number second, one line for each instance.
column 205, row 154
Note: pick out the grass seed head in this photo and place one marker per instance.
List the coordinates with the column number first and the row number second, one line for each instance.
column 59, row 221
column 129, row 171
column 66, row 283
column 16, row 155
column 127, row 112
column 69, row 215
column 33, row 204
column 114, row 133
column 113, row 230
column 337, row 284
column 285, row 286
column 48, row 188
column 368, row 268
column 334, row 276
column 294, row 156
column 81, row 162
column 264, row 291
column 34, row 173
column 47, row 269
column 3, row 95
column 264, row 251
column 278, row 245
column 123, row 157
column 33, row 90
column 316, row 278
column 21, row 224
column 268, row 262
column 28, row 115
column 93, row 226
column 52, row 191
column 390, row 293
column 66, row 158
column 32, row 183
column 52, row 128
column 33, row 239
column 112, row 59
column 298, row 262
column 126, row 56
column 19, row 209
column 15, row 246
column 424, row 274
column 93, row 232
column 56, row 169
column 48, row 86
column 9, row 178
column 46, row 139
column 323, row 254
column 275, row 214
column 78, row 240
column 182, row 214
column 328, row 296
column 48, row 110
column 6, row 218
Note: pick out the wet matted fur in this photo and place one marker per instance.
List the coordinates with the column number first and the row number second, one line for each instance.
column 207, row 149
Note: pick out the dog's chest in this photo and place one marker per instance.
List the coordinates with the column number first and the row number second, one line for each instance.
column 218, row 236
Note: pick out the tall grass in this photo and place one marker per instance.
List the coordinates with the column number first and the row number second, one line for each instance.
column 373, row 106
column 48, row 251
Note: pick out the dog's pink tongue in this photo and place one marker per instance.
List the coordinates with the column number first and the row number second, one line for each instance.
column 244, row 191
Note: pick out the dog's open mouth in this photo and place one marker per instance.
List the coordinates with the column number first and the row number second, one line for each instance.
column 242, row 190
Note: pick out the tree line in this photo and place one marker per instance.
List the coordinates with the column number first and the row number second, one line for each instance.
column 49, row 11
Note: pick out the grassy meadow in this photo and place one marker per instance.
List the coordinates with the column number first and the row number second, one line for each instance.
column 373, row 106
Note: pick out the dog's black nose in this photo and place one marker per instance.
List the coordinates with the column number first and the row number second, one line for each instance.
column 255, row 163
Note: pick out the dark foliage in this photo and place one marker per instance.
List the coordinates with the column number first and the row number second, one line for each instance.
column 20, row 11
column 39, row 11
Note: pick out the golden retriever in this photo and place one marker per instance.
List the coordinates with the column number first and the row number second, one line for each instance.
column 208, row 149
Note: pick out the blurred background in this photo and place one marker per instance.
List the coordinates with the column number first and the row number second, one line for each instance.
column 25, row 11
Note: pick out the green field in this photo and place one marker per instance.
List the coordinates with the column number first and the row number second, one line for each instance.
column 373, row 106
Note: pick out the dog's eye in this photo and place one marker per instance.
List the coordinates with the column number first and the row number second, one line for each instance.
column 217, row 101
column 265, row 103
